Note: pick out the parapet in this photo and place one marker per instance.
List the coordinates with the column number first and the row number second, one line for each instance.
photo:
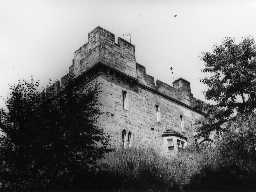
column 180, row 90
column 126, row 46
column 99, row 34
column 102, row 48
column 182, row 85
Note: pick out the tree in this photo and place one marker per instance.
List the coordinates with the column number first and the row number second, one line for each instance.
column 230, row 77
column 238, row 145
column 230, row 163
column 50, row 142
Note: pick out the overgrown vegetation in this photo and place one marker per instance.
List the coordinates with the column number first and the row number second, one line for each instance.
column 230, row 70
column 49, row 142
column 231, row 158
column 54, row 143
column 230, row 77
column 144, row 169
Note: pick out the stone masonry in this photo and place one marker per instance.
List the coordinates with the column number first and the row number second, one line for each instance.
column 137, row 111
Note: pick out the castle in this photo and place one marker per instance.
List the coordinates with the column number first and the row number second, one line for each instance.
column 136, row 110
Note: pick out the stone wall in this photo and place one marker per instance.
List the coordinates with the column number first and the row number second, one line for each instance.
column 101, row 47
column 140, row 118
column 114, row 66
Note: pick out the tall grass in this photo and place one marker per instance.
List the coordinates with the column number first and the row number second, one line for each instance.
column 143, row 169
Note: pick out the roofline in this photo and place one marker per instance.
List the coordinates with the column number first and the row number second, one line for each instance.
column 181, row 79
column 139, row 84
column 175, row 135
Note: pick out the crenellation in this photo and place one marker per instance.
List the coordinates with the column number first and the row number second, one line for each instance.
column 141, row 71
column 166, row 89
column 101, row 47
column 180, row 91
column 183, row 85
column 153, row 109
column 140, row 68
column 99, row 34
column 127, row 47
column 149, row 81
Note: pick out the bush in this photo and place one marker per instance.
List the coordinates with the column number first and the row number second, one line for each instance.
column 141, row 169
column 231, row 162
column 49, row 142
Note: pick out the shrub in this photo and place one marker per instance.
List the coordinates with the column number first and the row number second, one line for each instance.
column 231, row 162
column 142, row 169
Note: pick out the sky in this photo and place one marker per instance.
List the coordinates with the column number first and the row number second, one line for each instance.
column 38, row 37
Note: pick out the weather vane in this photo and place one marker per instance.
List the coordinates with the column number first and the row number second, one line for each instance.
column 172, row 76
column 171, row 68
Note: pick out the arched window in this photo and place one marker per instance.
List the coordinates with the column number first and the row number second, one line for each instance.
column 129, row 139
column 180, row 144
column 123, row 138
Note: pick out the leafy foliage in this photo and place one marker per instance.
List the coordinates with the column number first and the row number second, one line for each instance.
column 231, row 161
column 230, row 77
column 50, row 142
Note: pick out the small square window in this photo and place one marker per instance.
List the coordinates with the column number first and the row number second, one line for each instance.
column 180, row 144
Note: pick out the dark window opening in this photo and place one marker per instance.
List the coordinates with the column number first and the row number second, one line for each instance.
column 158, row 115
column 180, row 144
column 125, row 101
column 123, row 137
column 129, row 139
column 170, row 144
column 181, row 123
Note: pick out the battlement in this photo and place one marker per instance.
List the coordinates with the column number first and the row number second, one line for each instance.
column 100, row 34
column 120, row 56
column 183, row 85
column 180, row 90
column 102, row 48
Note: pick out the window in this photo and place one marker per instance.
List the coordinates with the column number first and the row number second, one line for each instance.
column 180, row 144
column 158, row 114
column 129, row 139
column 181, row 123
column 126, row 139
column 170, row 143
column 123, row 138
column 125, row 100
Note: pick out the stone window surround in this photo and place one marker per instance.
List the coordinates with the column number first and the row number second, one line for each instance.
column 158, row 113
column 125, row 100
column 175, row 143
column 126, row 139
